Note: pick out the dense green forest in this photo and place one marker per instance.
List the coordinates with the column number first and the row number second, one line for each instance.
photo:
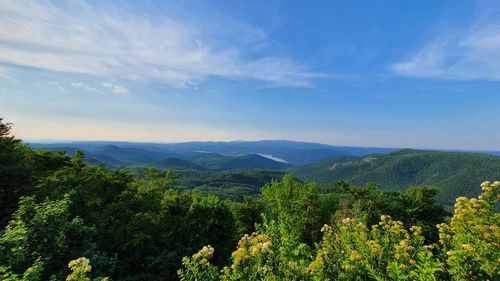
column 235, row 169
column 455, row 173
column 65, row 219
column 234, row 184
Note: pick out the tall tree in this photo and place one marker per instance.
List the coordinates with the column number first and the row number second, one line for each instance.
column 4, row 128
column 296, row 204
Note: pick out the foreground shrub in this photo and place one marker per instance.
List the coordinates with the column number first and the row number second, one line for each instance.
column 468, row 249
column 80, row 269
column 471, row 241
column 198, row 267
column 351, row 251
column 79, row 272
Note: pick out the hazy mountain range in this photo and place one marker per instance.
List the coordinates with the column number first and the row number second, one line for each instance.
column 211, row 155
column 455, row 173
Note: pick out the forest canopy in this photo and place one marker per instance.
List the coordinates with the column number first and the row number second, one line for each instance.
column 64, row 219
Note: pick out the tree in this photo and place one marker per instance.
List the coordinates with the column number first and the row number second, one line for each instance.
column 48, row 232
column 16, row 176
column 296, row 205
column 20, row 169
column 210, row 221
column 4, row 128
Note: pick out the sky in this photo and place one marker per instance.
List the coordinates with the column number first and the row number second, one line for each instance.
column 419, row 74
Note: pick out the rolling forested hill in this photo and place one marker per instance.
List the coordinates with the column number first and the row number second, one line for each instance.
column 220, row 165
column 115, row 156
column 129, row 153
column 235, row 184
column 178, row 164
column 454, row 173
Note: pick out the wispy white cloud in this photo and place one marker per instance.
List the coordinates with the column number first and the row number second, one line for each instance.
column 467, row 54
column 55, row 84
column 111, row 42
column 116, row 89
column 83, row 86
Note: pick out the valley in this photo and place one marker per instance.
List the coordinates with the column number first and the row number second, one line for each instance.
column 237, row 169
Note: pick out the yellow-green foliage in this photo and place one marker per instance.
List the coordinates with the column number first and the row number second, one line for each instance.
column 471, row 241
column 198, row 267
column 350, row 250
column 80, row 269
column 250, row 259
column 79, row 272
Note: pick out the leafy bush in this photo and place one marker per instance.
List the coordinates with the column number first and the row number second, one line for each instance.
column 471, row 240
column 468, row 248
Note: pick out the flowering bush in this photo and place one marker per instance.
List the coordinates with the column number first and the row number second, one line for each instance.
column 79, row 272
column 352, row 251
column 471, row 241
column 198, row 267
column 79, row 267
column 468, row 249
column 252, row 259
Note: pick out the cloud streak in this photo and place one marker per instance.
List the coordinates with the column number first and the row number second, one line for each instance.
column 83, row 86
column 470, row 54
column 114, row 43
column 116, row 89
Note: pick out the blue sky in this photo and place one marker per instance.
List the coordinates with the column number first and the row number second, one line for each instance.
column 421, row 74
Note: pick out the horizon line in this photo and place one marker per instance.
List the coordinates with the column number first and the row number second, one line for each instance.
column 444, row 149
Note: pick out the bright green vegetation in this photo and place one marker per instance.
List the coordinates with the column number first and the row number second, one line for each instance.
column 234, row 184
column 455, row 173
column 231, row 171
column 62, row 218
column 234, row 169
column 468, row 246
column 231, row 184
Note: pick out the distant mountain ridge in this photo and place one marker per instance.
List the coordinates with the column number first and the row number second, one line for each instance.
column 291, row 152
column 114, row 155
column 455, row 173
